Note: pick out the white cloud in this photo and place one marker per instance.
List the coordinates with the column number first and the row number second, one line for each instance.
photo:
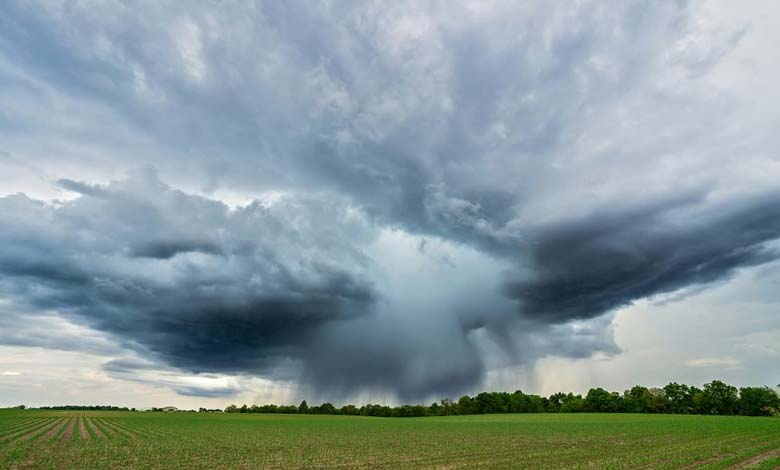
column 188, row 39
column 713, row 362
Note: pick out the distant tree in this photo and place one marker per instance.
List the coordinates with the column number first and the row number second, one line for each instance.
column 375, row 410
column 519, row 402
column 758, row 401
column 602, row 401
column 717, row 398
column 409, row 411
column 327, row 409
column 466, row 405
column 639, row 399
column 491, row 402
column 349, row 410
column 554, row 402
column 654, row 401
column 634, row 399
column 448, row 407
column 572, row 403
column 680, row 398
column 536, row 404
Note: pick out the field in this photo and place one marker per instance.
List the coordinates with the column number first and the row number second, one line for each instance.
column 87, row 440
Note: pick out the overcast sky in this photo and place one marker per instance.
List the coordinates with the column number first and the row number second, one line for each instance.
column 217, row 202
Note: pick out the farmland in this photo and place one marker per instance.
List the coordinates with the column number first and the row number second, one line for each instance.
column 92, row 440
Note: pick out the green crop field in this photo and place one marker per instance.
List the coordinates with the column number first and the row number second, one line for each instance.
column 86, row 440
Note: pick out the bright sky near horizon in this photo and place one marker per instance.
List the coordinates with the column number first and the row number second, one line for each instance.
column 204, row 203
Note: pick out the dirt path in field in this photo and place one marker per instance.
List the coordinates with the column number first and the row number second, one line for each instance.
column 55, row 424
column 53, row 431
column 50, row 442
column 703, row 462
column 83, row 429
column 757, row 459
column 17, row 425
column 99, row 424
column 114, row 429
column 24, row 430
column 68, row 434
column 98, row 433
column 17, row 428
column 137, row 430
column 750, row 462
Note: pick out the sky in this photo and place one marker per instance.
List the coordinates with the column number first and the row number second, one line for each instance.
column 217, row 202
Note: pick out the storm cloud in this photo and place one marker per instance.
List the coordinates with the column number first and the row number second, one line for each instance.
column 291, row 288
column 359, row 197
column 597, row 263
column 253, row 285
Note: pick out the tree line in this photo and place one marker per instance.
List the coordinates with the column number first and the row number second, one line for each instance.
column 84, row 408
column 714, row 398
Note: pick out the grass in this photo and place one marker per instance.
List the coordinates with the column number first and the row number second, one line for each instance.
column 144, row 440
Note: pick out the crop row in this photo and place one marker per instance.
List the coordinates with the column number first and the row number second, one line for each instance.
column 46, row 428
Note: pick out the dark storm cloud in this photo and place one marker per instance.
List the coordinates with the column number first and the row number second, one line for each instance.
column 256, row 291
column 193, row 391
column 287, row 292
column 81, row 188
column 165, row 249
column 285, row 289
column 597, row 263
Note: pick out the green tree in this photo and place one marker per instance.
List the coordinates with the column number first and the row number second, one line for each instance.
column 602, row 401
column 303, row 407
column 518, row 402
column 327, row 409
column 446, row 407
column 639, row 399
column 718, row 398
column 758, row 401
column 572, row 403
column 634, row 399
column 680, row 398
column 492, row 402
column 554, row 402
column 466, row 405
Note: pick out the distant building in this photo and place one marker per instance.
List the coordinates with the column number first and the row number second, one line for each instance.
column 169, row 408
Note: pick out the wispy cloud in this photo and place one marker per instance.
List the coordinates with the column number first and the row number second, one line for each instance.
column 727, row 362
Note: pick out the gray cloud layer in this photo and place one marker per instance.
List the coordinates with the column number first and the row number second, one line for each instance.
column 587, row 155
column 204, row 287
column 285, row 289
column 593, row 264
